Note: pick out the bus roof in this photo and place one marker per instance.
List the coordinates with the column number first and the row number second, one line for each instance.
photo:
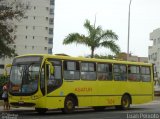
column 67, row 57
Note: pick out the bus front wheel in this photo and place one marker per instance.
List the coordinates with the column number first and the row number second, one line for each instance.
column 69, row 105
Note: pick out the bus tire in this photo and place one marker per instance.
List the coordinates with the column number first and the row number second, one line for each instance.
column 99, row 108
column 41, row 110
column 125, row 102
column 69, row 105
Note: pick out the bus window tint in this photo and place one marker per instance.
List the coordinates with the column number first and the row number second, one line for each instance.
column 104, row 71
column 120, row 72
column 145, row 74
column 71, row 70
column 133, row 73
column 88, row 71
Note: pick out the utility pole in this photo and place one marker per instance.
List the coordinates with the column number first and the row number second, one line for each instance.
column 128, row 30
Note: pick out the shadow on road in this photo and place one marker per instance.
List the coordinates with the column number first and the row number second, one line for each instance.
column 29, row 113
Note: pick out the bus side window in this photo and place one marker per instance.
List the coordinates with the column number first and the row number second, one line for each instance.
column 88, row 71
column 145, row 74
column 71, row 70
column 120, row 72
column 133, row 73
column 104, row 71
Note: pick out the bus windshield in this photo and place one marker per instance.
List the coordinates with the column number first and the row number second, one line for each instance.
column 24, row 77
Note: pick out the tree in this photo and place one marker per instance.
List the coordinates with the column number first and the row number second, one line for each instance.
column 104, row 56
column 96, row 38
column 9, row 10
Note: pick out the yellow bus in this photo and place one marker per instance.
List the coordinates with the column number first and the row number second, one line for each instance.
column 64, row 82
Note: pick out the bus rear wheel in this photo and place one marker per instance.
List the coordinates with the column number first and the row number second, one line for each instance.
column 41, row 110
column 125, row 102
column 69, row 105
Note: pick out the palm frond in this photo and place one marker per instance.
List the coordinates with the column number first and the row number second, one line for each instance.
column 111, row 45
column 74, row 38
column 109, row 34
column 88, row 26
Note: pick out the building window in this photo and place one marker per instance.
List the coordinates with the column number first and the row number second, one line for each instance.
column 26, row 37
column 17, row 7
column 45, row 48
column 51, row 2
column 33, row 37
column 32, row 47
column 51, row 31
column 47, row 8
column 49, row 50
column 50, row 41
column 14, row 46
column 15, row 36
column 1, row 66
column 25, row 47
column 158, row 40
column 27, row 7
column 34, row 17
column 51, row 21
column 34, row 7
column 26, row 17
column 46, row 18
column 26, row 27
column 33, row 27
column 46, row 38
column 51, row 11
column 154, row 42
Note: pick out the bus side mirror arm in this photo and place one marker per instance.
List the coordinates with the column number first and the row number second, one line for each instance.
column 51, row 67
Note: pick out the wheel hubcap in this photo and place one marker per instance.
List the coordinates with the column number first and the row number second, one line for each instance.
column 125, row 103
column 69, row 104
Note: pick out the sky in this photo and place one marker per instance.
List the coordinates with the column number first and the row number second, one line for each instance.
column 70, row 16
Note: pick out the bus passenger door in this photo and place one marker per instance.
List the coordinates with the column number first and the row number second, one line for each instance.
column 54, row 79
column 42, row 80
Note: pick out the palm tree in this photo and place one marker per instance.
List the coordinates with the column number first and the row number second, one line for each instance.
column 96, row 38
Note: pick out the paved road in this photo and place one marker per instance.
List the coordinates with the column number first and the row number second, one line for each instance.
column 145, row 111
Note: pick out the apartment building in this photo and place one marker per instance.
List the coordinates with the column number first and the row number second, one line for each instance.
column 154, row 50
column 34, row 33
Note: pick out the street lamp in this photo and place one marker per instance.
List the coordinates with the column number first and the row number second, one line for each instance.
column 128, row 29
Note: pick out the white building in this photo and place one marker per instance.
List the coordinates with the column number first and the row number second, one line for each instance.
column 154, row 50
column 34, row 33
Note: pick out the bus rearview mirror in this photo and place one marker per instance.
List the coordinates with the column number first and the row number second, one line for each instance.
column 5, row 69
